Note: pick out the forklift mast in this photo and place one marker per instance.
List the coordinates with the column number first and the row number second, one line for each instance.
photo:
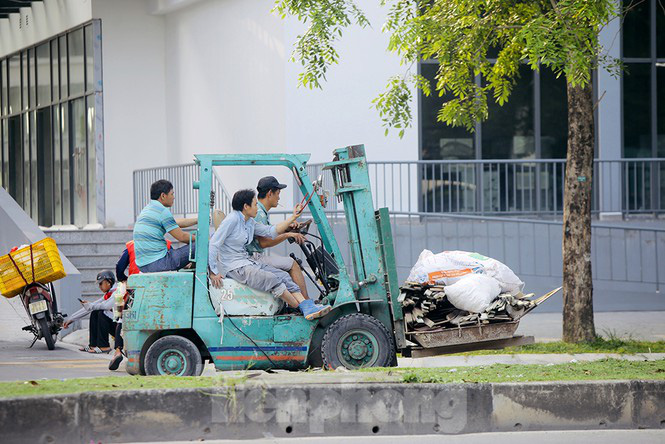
column 370, row 239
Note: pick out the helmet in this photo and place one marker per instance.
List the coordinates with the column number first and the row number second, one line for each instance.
column 106, row 275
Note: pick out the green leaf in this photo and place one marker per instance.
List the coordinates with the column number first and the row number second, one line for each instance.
column 458, row 34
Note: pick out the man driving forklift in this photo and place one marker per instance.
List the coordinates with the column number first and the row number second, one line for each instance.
column 269, row 190
column 228, row 248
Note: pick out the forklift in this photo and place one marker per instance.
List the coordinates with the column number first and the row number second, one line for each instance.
column 171, row 327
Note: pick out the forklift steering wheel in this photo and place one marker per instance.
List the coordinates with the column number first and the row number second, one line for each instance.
column 304, row 227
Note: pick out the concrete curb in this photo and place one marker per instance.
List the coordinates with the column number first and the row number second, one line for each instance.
column 246, row 412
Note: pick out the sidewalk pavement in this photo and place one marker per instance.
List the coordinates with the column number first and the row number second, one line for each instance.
column 638, row 325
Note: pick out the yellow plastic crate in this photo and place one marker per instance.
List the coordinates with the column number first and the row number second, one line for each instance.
column 39, row 262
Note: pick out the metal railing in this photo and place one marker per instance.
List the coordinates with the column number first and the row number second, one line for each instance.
column 625, row 257
column 509, row 187
column 181, row 176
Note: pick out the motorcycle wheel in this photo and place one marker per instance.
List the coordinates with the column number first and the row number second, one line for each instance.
column 46, row 334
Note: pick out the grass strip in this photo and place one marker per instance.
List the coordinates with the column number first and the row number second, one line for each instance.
column 112, row 383
column 600, row 345
column 606, row 369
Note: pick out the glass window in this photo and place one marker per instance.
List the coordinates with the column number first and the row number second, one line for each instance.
column 57, row 167
column 43, row 75
column 4, row 91
column 660, row 29
column 34, row 202
column 89, row 60
column 15, row 159
column 14, row 84
column 32, row 83
column 92, row 161
column 48, row 158
column 636, row 28
column 637, row 110
column 553, row 115
column 3, row 136
column 55, row 70
column 79, row 160
column 26, row 163
column 76, row 64
column 44, row 166
column 660, row 94
column 64, row 93
column 440, row 141
column 5, row 153
column 508, row 131
column 24, row 80
column 66, row 174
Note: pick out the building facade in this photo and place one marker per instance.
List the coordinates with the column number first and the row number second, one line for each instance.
column 92, row 90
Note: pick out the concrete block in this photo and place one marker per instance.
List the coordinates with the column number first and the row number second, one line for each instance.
column 561, row 406
column 337, row 409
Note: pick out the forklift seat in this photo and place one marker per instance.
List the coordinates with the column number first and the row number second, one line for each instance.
column 240, row 300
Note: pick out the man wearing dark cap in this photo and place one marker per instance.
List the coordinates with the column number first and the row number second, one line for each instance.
column 269, row 189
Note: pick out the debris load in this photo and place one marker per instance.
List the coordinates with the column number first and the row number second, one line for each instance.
column 459, row 288
column 448, row 267
column 427, row 307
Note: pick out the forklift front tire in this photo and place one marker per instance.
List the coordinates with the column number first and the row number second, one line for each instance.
column 173, row 355
column 357, row 341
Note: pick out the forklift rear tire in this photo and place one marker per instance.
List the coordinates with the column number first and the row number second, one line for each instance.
column 173, row 355
column 357, row 341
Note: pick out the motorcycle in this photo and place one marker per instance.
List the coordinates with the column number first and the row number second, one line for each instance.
column 40, row 302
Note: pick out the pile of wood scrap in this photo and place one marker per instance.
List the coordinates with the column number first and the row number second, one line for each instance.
column 426, row 307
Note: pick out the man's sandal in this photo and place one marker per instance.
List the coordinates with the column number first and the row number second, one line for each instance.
column 115, row 362
column 97, row 350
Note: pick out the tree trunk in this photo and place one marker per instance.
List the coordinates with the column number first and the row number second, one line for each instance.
column 578, row 322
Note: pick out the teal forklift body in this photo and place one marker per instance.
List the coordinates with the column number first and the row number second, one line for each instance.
column 162, row 301
column 178, row 303
column 276, row 341
column 163, row 305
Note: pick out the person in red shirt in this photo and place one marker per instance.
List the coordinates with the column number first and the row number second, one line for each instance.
column 127, row 261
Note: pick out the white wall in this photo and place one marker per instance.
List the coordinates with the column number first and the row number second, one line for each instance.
column 41, row 21
column 231, row 88
column 225, row 84
column 134, row 99
column 609, row 122
column 340, row 114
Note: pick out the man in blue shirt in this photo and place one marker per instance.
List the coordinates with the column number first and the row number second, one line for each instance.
column 152, row 224
column 228, row 250
column 269, row 190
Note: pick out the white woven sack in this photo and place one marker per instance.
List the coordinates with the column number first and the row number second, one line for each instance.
column 473, row 293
